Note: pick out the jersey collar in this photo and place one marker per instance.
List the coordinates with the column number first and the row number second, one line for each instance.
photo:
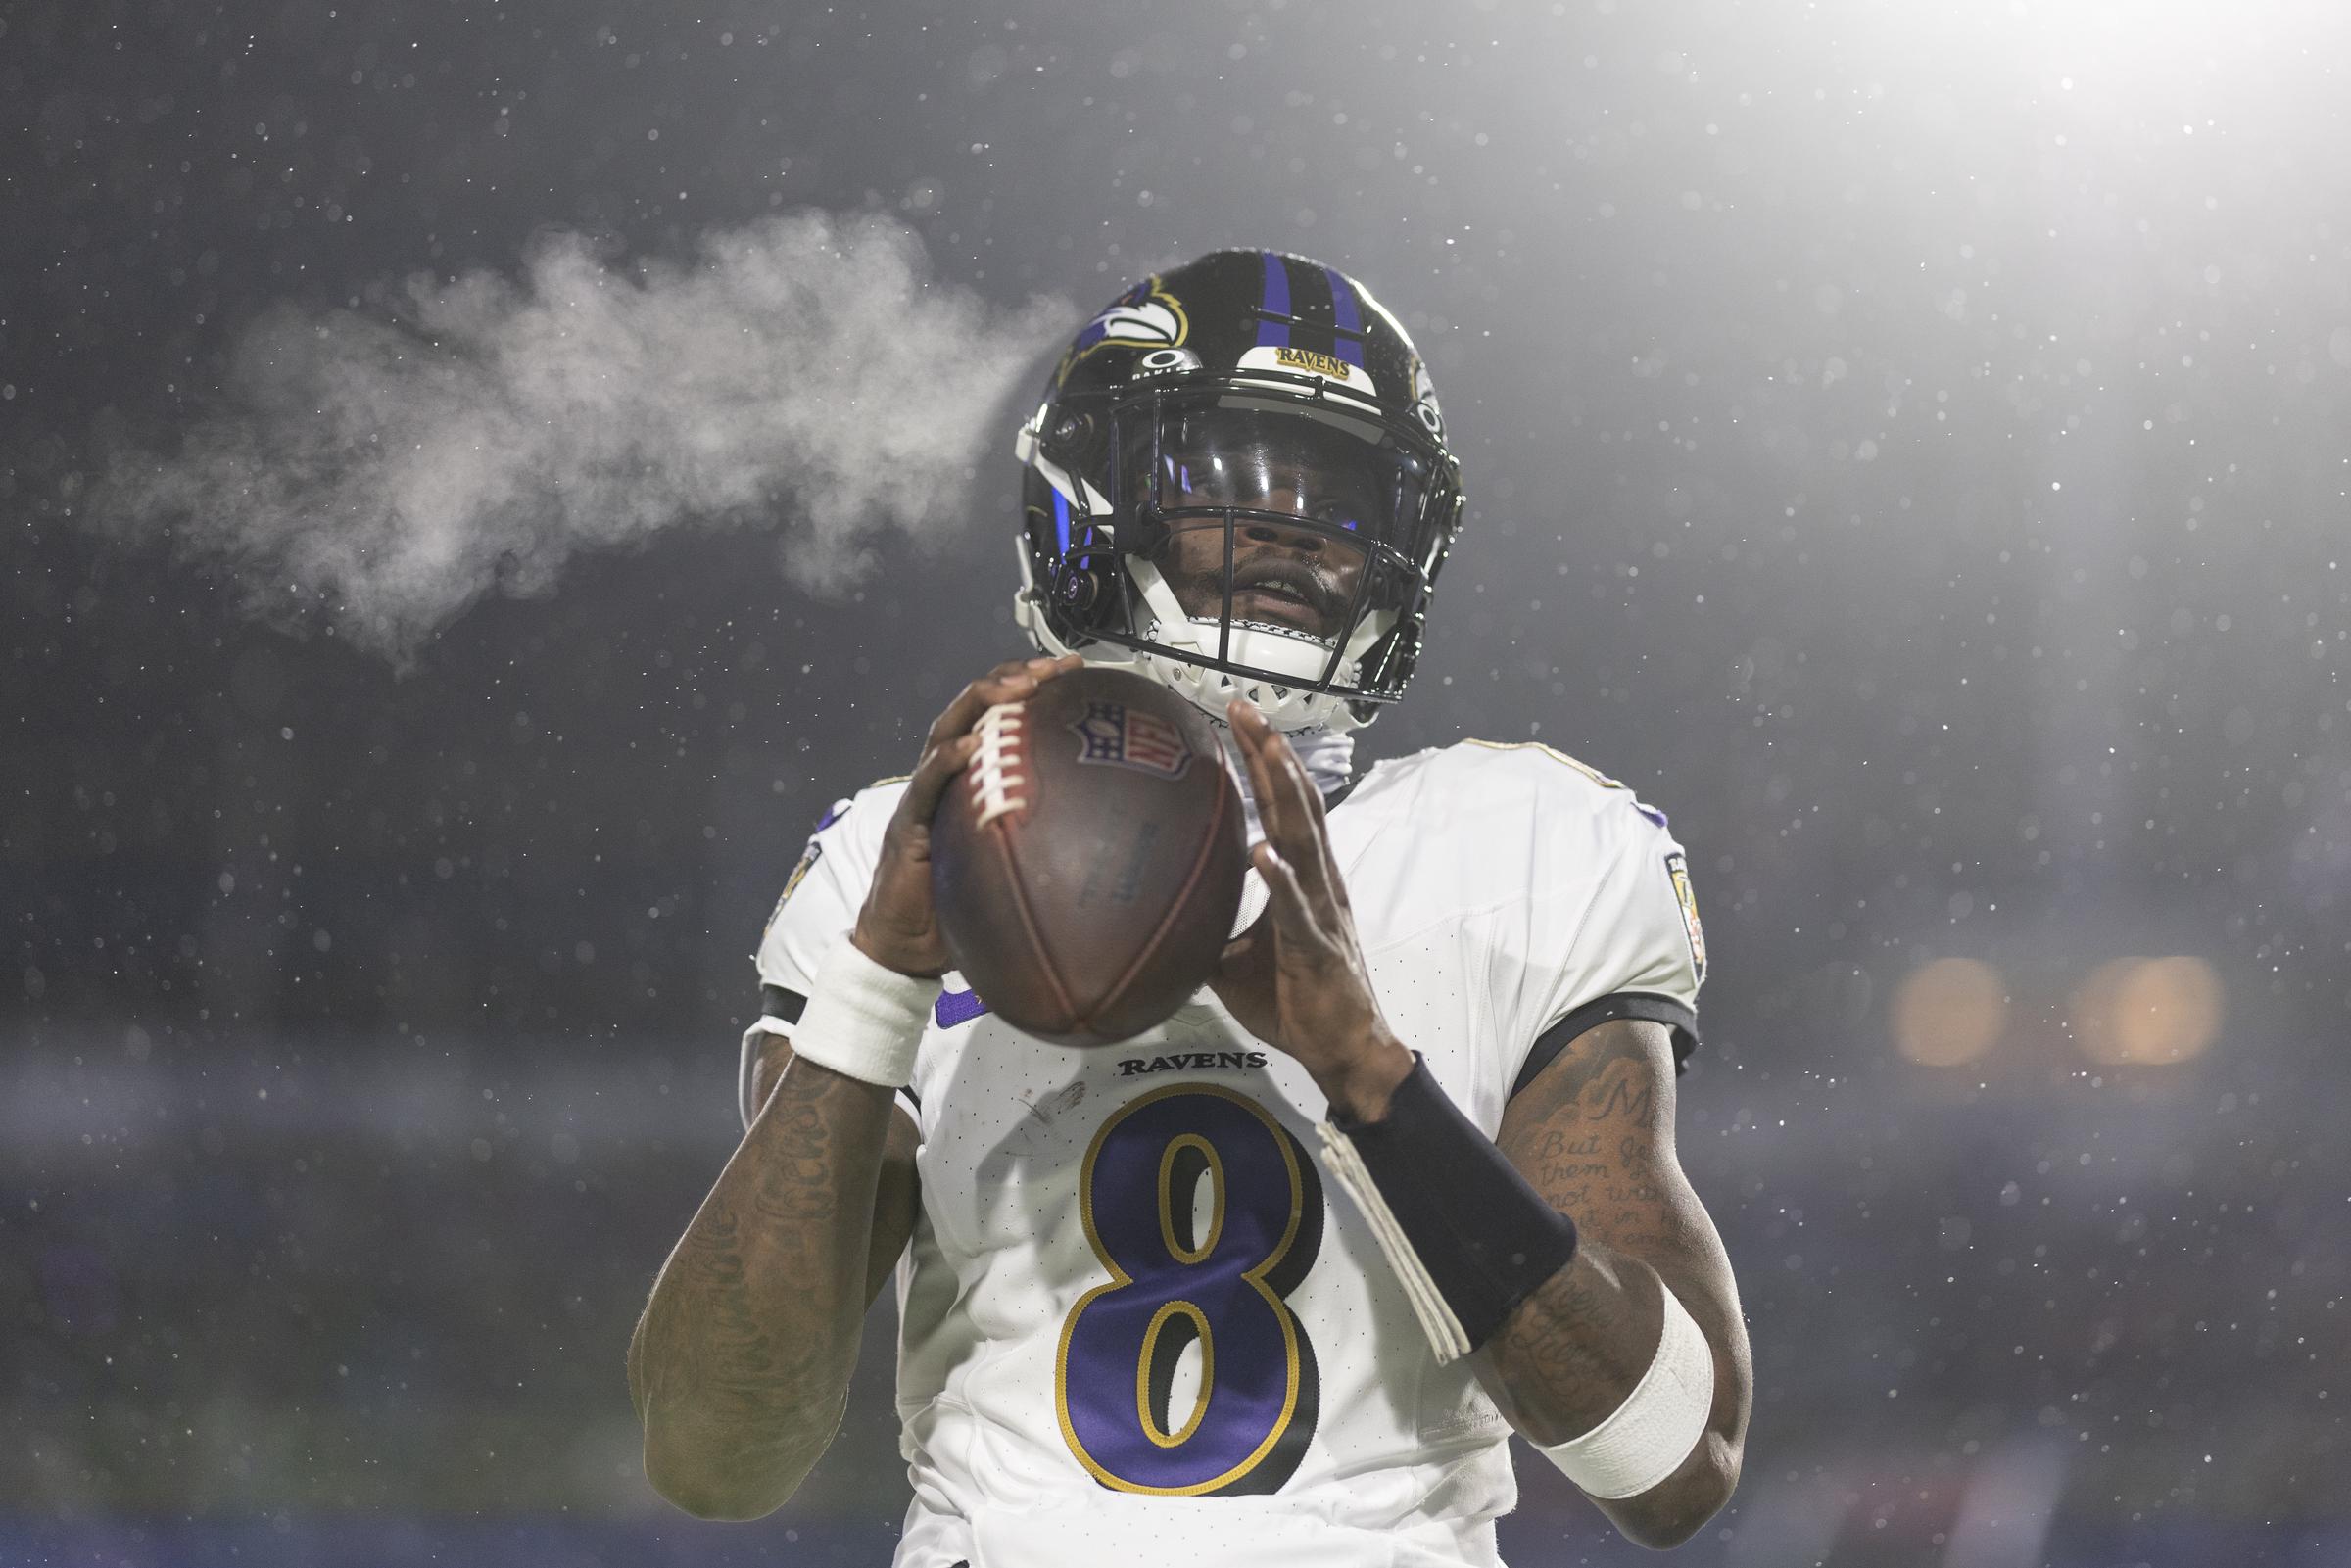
column 1329, row 756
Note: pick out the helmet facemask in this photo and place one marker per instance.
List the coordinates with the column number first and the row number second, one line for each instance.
column 1265, row 538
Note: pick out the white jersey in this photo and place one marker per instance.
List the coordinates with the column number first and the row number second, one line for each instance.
column 1137, row 1324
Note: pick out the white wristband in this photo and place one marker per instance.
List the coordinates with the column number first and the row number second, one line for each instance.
column 864, row 1022
column 1649, row 1435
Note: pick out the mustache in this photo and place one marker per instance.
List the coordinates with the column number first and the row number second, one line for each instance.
column 1310, row 583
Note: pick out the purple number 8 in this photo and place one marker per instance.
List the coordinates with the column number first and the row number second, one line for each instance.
column 1170, row 1286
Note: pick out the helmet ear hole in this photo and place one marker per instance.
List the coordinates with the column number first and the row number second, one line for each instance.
column 1087, row 586
column 1080, row 591
column 1073, row 439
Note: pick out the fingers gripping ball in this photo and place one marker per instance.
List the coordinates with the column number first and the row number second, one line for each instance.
column 1088, row 865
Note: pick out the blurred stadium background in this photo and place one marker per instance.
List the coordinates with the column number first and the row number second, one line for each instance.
column 1906, row 442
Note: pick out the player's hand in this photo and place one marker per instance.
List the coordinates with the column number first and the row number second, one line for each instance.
column 897, row 927
column 1296, row 978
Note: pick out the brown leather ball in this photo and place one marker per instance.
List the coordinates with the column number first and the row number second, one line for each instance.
column 1087, row 864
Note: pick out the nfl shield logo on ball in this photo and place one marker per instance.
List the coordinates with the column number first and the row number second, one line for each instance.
column 1115, row 736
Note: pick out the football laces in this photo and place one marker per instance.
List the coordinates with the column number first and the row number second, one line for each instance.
column 995, row 769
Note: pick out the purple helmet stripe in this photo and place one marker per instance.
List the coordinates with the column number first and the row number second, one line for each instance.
column 1273, row 300
column 1346, row 317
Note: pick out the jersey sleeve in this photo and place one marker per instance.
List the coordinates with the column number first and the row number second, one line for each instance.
column 1628, row 945
column 818, row 906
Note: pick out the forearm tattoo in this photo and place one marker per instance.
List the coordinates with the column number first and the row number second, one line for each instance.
column 754, row 1323
column 1595, row 1146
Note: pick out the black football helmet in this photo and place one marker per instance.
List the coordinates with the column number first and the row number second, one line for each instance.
column 1238, row 485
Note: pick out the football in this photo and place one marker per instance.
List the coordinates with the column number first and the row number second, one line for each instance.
column 1086, row 866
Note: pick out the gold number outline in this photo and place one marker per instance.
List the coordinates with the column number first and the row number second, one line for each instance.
column 1119, row 1279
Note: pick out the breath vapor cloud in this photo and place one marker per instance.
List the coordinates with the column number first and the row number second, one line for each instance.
column 807, row 372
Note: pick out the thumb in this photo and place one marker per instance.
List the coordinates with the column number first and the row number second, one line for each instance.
column 1245, row 959
column 1239, row 948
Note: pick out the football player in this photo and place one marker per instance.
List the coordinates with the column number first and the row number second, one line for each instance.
column 1276, row 1282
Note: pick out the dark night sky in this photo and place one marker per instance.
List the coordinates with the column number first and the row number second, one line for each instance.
column 1734, row 306
column 1909, row 448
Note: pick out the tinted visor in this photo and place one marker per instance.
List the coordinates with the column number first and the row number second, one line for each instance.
column 1275, row 458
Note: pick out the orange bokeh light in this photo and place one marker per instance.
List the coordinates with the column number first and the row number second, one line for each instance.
column 2148, row 1012
column 1950, row 1012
